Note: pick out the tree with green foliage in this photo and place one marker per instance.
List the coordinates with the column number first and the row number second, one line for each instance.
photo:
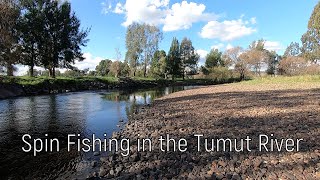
column 189, row 57
column 152, row 36
column 134, row 45
column 310, row 40
column 59, row 36
column 214, row 59
column 272, row 61
column 158, row 66
column 103, row 68
column 174, row 59
column 10, row 49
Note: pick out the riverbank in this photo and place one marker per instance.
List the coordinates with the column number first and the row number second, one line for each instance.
column 279, row 108
column 26, row 86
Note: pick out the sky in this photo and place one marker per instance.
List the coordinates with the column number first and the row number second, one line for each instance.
column 220, row 24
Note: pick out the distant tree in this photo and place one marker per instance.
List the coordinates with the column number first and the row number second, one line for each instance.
column 125, row 69
column 214, row 59
column 256, row 56
column 115, row 68
column 103, row 68
column 10, row 48
column 152, row 36
column 174, row 59
column 189, row 57
column 158, row 67
column 271, row 61
column 134, row 45
column 238, row 60
column 310, row 40
column 292, row 65
column 292, row 50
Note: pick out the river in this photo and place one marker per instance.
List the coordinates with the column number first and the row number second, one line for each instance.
column 56, row 116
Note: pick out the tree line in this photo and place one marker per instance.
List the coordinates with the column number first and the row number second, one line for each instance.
column 41, row 33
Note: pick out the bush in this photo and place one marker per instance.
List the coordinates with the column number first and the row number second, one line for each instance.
column 220, row 73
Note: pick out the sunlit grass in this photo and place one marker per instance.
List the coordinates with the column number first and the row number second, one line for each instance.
column 283, row 80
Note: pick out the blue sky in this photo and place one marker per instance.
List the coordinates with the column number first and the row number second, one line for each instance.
column 209, row 24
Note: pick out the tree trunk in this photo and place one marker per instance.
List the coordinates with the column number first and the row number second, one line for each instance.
column 31, row 71
column 9, row 69
column 53, row 72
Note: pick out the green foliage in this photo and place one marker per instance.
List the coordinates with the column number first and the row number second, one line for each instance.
column 141, row 42
column 220, row 73
column 103, row 68
column 310, row 40
column 189, row 58
column 158, row 64
column 214, row 59
column 56, row 39
column 174, row 59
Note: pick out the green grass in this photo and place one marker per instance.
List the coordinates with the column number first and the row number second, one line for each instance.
column 283, row 79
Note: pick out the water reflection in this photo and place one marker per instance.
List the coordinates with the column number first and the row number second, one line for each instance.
column 60, row 115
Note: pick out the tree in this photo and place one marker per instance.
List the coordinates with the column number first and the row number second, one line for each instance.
column 214, row 59
column 103, row 68
column 238, row 60
column 292, row 65
column 310, row 40
column 174, row 59
column 292, row 50
column 61, row 37
column 10, row 48
column 189, row 57
column 272, row 60
column 152, row 36
column 134, row 36
column 115, row 68
column 158, row 67
column 256, row 55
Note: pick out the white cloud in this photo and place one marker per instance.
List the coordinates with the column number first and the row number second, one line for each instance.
column 157, row 12
column 183, row 15
column 118, row 9
column 202, row 53
column 227, row 30
column 273, row 46
column 89, row 62
column 145, row 11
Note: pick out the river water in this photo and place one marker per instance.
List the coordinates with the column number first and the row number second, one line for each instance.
column 56, row 116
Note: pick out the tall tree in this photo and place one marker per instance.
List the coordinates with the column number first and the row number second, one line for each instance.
column 158, row 68
column 214, row 59
column 134, row 44
column 152, row 36
column 10, row 48
column 189, row 57
column 235, row 57
column 292, row 50
column 174, row 59
column 310, row 40
column 61, row 37
column 256, row 55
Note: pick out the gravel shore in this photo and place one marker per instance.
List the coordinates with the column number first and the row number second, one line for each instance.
column 232, row 111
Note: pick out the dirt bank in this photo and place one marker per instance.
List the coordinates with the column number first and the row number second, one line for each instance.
column 225, row 111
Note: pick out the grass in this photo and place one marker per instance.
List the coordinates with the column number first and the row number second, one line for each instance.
column 283, row 80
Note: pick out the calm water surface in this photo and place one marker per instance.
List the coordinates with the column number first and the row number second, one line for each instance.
column 59, row 115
